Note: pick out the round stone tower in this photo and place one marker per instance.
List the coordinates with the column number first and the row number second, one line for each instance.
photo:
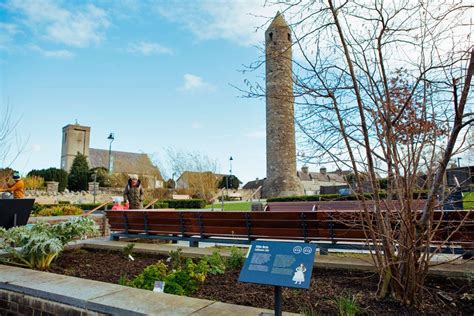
column 281, row 149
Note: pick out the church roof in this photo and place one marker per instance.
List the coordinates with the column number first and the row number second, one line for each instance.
column 123, row 162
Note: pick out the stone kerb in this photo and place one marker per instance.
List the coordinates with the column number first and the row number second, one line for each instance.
column 64, row 295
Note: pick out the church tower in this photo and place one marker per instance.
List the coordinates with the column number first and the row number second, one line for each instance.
column 281, row 149
column 76, row 139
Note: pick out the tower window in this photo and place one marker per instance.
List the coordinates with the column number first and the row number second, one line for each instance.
column 270, row 35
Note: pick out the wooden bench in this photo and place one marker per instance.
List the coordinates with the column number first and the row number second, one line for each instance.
column 290, row 207
column 331, row 229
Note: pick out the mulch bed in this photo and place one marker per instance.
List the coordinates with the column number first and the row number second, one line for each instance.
column 326, row 285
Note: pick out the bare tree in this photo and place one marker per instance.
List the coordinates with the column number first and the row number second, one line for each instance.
column 381, row 88
column 197, row 169
column 10, row 144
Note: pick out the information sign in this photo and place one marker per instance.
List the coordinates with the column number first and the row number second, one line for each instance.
column 288, row 264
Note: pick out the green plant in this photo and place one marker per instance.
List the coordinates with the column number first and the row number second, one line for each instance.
column 216, row 263
column 52, row 174
column 33, row 182
column 128, row 250
column 146, row 279
column 194, row 203
column 236, row 258
column 37, row 247
column 123, row 280
column 184, row 280
column 78, row 179
column 176, row 259
column 59, row 210
column 347, row 306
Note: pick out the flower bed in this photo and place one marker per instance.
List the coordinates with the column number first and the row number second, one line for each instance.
column 330, row 289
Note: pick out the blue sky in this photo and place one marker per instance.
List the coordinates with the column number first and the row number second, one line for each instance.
column 158, row 74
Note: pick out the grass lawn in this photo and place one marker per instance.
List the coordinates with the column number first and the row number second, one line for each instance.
column 468, row 200
column 232, row 206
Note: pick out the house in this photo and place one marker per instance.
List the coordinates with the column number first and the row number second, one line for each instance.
column 321, row 182
column 127, row 163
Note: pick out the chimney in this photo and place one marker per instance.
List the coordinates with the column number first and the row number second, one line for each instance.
column 323, row 170
column 304, row 169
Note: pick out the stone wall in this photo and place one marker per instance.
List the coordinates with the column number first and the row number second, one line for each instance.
column 13, row 303
column 102, row 195
column 100, row 220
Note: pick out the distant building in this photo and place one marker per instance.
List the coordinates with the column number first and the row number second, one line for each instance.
column 254, row 184
column 76, row 138
column 316, row 182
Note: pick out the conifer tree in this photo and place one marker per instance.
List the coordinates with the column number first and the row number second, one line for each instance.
column 79, row 174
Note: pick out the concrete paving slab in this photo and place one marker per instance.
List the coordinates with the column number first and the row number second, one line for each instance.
column 83, row 289
column 219, row 309
column 22, row 277
column 152, row 303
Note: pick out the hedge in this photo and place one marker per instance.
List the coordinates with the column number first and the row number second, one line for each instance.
column 338, row 197
column 194, row 203
column 85, row 206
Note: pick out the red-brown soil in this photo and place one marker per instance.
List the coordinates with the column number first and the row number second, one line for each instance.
column 326, row 285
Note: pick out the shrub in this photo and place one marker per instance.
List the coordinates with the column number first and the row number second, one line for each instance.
column 33, row 182
column 216, row 263
column 184, row 280
column 194, row 203
column 61, row 210
column 160, row 204
column 101, row 176
column 176, row 259
column 78, row 179
column 52, row 174
column 231, row 183
column 37, row 247
column 236, row 259
column 146, row 279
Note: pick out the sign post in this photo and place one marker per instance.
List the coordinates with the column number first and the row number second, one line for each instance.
column 288, row 264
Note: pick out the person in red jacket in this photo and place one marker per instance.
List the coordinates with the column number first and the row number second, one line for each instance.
column 17, row 188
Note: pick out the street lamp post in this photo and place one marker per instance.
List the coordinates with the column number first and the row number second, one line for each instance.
column 111, row 138
column 95, row 184
column 228, row 176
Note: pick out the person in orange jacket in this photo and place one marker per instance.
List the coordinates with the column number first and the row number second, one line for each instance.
column 17, row 188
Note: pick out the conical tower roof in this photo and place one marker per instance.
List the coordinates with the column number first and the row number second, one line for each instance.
column 278, row 21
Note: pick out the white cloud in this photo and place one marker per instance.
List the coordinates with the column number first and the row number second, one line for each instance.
column 7, row 32
column 148, row 49
column 193, row 83
column 60, row 54
column 78, row 26
column 236, row 21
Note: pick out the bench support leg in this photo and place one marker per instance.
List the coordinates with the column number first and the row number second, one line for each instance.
column 193, row 243
column 114, row 238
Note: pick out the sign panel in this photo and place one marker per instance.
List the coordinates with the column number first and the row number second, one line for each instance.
column 287, row 264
